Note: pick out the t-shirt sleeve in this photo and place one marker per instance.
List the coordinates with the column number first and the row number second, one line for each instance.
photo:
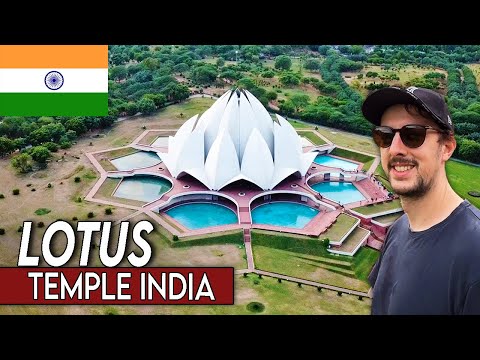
column 472, row 301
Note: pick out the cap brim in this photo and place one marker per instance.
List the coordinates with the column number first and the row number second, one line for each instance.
column 380, row 100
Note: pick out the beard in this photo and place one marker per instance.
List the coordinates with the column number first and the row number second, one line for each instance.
column 417, row 190
column 421, row 185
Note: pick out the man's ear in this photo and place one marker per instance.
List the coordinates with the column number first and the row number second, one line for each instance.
column 448, row 147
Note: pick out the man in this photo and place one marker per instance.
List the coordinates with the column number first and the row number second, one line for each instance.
column 430, row 262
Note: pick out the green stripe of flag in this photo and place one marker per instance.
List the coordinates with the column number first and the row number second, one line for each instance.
column 53, row 104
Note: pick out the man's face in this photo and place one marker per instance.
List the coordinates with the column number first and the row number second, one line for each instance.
column 412, row 171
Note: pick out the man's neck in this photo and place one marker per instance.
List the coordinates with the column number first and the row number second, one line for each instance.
column 432, row 208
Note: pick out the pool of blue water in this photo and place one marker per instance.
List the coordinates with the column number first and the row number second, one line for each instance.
column 326, row 160
column 136, row 160
column 341, row 192
column 142, row 188
column 201, row 215
column 285, row 214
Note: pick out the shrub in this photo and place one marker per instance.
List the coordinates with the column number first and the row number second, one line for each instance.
column 77, row 179
column 16, row 191
column 49, row 185
column 90, row 215
column 40, row 224
column 2, row 196
column 74, row 218
column 2, row 231
column 20, row 229
column 28, row 185
column 78, row 199
column 33, row 189
column 175, row 238
column 108, row 211
column 42, row 211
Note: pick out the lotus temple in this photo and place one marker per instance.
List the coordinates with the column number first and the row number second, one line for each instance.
column 238, row 167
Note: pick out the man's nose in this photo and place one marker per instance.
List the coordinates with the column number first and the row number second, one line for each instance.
column 397, row 147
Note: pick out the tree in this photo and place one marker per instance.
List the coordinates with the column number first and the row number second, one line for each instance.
column 470, row 150
column 76, row 124
column 204, row 74
column 22, row 163
column 300, row 101
column 146, row 106
column 118, row 73
column 220, row 62
column 6, row 146
column 289, row 79
column 40, row 154
column 283, row 62
column 312, row 64
column 323, row 49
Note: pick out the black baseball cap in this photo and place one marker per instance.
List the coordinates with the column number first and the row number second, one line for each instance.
column 434, row 103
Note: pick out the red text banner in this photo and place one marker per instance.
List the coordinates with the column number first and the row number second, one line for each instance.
column 109, row 286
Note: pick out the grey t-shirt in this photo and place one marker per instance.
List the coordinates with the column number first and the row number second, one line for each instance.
column 436, row 271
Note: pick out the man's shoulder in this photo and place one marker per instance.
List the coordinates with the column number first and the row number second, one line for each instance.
column 468, row 220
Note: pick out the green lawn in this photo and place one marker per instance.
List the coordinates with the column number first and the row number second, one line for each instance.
column 350, row 140
column 185, row 109
column 300, row 125
column 307, row 258
column 340, row 228
column 353, row 239
column 314, row 138
column 363, row 262
column 464, row 178
column 383, row 177
column 377, row 208
column 387, row 219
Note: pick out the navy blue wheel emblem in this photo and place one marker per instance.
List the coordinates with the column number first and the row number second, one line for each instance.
column 54, row 80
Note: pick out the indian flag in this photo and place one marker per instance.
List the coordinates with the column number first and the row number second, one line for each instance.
column 53, row 80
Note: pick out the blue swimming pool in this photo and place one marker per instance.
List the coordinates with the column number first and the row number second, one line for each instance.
column 326, row 160
column 283, row 213
column 341, row 192
column 201, row 215
column 140, row 159
column 142, row 188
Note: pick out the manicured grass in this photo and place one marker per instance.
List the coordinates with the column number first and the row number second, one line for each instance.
column 363, row 262
column 107, row 187
column 42, row 211
column 231, row 237
column 464, row 178
column 307, row 259
column 349, row 140
column 340, row 228
column 383, row 177
column 300, row 125
column 352, row 155
column 353, row 239
column 377, row 208
column 314, row 138
column 387, row 219
column 187, row 108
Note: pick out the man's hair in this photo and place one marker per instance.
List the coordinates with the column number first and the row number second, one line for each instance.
column 414, row 109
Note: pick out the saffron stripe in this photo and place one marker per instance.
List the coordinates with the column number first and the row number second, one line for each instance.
column 54, row 56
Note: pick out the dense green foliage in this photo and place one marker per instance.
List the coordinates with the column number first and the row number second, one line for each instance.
column 143, row 79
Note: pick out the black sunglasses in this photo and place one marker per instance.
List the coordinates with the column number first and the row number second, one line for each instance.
column 412, row 136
